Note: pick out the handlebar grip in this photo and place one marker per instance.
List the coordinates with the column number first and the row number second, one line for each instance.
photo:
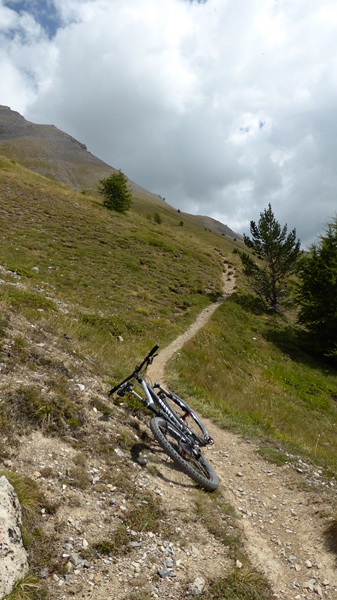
column 154, row 349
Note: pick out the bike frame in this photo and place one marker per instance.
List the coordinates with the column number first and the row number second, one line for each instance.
column 180, row 431
column 188, row 440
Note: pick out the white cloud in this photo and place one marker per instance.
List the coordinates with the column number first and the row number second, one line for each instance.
column 26, row 56
column 220, row 106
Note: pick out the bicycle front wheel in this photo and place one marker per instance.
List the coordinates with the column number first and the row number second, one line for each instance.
column 197, row 468
column 185, row 414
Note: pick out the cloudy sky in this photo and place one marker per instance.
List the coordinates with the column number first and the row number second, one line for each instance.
column 221, row 106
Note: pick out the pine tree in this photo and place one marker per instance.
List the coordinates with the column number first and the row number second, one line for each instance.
column 277, row 253
column 117, row 195
column 317, row 292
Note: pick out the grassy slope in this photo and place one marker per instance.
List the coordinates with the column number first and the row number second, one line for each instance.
column 249, row 372
column 54, row 154
column 113, row 275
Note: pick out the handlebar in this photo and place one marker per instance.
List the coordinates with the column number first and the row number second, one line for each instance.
column 147, row 360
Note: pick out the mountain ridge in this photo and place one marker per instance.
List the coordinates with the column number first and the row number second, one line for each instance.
column 48, row 151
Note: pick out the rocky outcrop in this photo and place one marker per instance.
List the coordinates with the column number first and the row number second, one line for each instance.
column 13, row 557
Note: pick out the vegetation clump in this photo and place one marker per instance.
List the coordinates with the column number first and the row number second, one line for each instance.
column 146, row 515
column 54, row 411
column 240, row 584
column 118, row 544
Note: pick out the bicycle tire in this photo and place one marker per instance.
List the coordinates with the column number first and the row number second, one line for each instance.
column 205, row 476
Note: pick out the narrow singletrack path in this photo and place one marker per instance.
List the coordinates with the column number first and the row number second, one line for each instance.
column 284, row 511
column 156, row 370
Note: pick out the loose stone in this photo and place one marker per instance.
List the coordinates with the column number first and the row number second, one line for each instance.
column 318, row 590
column 197, row 587
column 169, row 563
column 67, row 547
column 163, row 573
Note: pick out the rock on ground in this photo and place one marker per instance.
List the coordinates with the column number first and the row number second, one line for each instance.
column 13, row 557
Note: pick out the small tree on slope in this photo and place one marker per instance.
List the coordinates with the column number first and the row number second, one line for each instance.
column 317, row 292
column 117, row 195
column 277, row 253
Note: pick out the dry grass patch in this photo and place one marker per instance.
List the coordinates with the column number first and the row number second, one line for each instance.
column 54, row 411
column 239, row 584
column 146, row 514
column 28, row 588
column 118, row 543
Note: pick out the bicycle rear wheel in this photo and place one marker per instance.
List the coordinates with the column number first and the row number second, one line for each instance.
column 197, row 468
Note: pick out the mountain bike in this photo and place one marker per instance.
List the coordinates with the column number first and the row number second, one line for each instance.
column 175, row 426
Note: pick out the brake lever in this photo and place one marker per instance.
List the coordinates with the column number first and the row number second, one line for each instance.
column 150, row 359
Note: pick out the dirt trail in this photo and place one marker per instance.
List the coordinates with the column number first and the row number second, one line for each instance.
column 284, row 510
column 156, row 370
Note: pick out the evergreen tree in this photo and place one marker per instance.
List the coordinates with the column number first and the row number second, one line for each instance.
column 117, row 195
column 277, row 253
column 317, row 292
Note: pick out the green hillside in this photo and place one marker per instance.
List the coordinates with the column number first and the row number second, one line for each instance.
column 96, row 275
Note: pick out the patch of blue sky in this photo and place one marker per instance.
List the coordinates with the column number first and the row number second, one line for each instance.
column 43, row 11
